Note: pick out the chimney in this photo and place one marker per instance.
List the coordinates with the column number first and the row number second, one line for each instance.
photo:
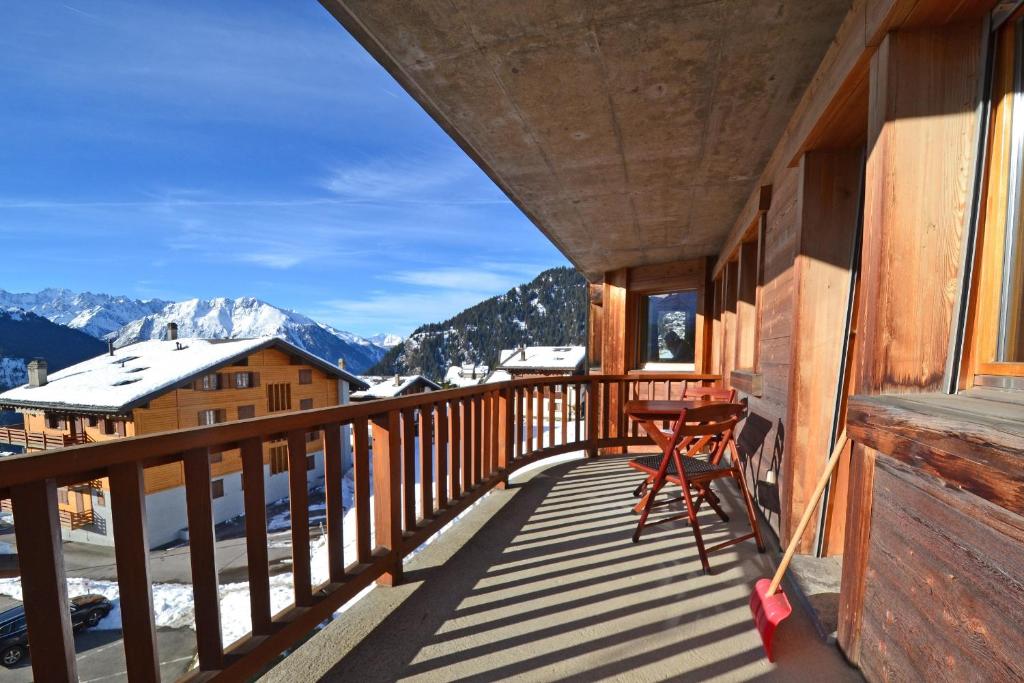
column 341, row 363
column 110, row 347
column 37, row 372
column 522, row 353
column 172, row 331
column 398, row 380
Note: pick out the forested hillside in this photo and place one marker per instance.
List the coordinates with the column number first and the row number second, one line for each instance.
column 550, row 310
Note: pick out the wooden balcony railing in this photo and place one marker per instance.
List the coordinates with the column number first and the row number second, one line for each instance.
column 39, row 441
column 473, row 439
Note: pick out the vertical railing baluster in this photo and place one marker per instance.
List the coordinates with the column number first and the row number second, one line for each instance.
column 606, row 410
column 387, row 503
column 257, row 560
column 506, row 432
column 333, row 474
column 199, row 508
column 409, row 468
column 577, row 416
column 486, row 427
column 361, row 479
column 529, row 425
column 565, row 414
column 539, row 414
column 131, row 551
column 441, row 430
column 298, row 508
column 427, row 460
column 549, row 389
column 477, row 439
column 43, row 582
column 519, row 421
column 456, row 441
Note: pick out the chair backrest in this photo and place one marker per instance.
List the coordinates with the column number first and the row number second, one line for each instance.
column 702, row 393
column 695, row 428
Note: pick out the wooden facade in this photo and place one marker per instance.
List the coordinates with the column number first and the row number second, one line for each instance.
column 868, row 262
column 269, row 370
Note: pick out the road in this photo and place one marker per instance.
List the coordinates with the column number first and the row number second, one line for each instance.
column 100, row 656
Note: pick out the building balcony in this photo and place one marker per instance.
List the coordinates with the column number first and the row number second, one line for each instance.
column 542, row 572
column 39, row 441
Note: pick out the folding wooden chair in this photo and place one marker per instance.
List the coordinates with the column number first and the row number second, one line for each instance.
column 695, row 429
column 691, row 392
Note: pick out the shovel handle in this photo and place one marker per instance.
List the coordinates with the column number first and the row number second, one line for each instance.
column 812, row 504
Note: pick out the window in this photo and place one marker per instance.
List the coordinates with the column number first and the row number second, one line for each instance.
column 278, row 459
column 216, row 457
column 310, row 463
column 210, row 382
column 217, row 488
column 99, row 496
column 62, row 495
column 306, row 404
column 108, row 426
column 312, row 436
column 305, row 376
column 668, row 330
column 279, row 397
column 246, row 412
column 54, row 422
column 996, row 345
column 243, row 380
column 92, row 420
column 212, row 416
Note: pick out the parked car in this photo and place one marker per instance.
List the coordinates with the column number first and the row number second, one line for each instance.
column 86, row 612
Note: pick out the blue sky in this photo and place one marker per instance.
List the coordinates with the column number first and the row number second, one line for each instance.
column 227, row 148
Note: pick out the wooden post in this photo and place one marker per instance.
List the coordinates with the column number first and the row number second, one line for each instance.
column 43, row 583
column 443, row 484
column 387, row 508
column 361, row 475
column 409, row 468
column 131, row 546
column 333, row 475
column 298, row 507
column 506, row 434
column 199, row 505
column 256, row 535
column 427, row 460
column 593, row 391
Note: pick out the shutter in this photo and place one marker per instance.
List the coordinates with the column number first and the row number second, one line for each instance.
column 223, row 380
column 254, row 379
column 222, row 415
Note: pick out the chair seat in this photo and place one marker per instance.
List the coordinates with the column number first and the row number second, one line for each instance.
column 694, row 467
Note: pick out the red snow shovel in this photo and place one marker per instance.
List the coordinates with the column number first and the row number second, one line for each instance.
column 768, row 604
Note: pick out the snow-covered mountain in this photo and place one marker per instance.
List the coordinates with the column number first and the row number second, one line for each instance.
column 94, row 314
column 128, row 320
column 386, row 340
column 24, row 336
column 223, row 318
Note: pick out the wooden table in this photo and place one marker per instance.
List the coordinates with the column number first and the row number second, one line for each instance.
column 649, row 413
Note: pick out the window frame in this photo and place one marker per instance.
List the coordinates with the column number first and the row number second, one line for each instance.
column 1004, row 164
column 642, row 362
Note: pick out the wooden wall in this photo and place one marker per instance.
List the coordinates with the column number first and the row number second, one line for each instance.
column 179, row 409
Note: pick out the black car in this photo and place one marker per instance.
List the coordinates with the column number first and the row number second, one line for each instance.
column 86, row 612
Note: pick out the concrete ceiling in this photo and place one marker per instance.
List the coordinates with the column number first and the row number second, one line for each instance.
column 630, row 132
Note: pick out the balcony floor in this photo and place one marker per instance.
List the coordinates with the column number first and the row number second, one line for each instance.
column 542, row 582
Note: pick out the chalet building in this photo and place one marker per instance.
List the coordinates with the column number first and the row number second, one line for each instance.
column 390, row 387
column 540, row 361
column 466, row 374
column 814, row 203
column 165, row 385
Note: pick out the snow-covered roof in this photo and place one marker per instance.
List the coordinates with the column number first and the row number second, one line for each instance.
column 465, row 375
column 137, row 373
column 387, row 387
column 498, row 376
column 561, row 358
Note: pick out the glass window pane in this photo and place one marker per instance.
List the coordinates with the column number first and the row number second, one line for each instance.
column 1010, row 342
column 671, row 326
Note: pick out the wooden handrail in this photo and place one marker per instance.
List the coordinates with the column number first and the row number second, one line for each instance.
column 471, row 437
